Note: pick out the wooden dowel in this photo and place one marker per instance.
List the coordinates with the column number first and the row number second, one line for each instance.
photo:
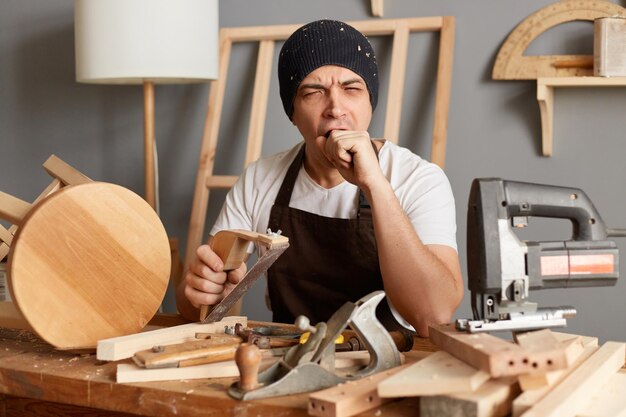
column 149, row 140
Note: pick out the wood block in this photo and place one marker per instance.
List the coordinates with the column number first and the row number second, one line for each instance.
column 609, row 47
column 492, row 399
column 571, row 395
column 528, row 398
column 585, row 340
column 545, row 348
column 489, row 353
column 572, row 349
column 351, row 397
column 610, row 401
column 438, row 373
column 123, row 347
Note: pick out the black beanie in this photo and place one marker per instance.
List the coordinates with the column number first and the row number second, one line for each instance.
column 325, row 42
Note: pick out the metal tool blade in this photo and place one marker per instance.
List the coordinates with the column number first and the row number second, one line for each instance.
column 259, row 268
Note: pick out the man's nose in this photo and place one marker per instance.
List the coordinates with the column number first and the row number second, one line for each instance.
column 335, row 106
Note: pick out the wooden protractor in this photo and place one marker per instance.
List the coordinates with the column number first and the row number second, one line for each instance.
column 511, row 64
column 89, row 262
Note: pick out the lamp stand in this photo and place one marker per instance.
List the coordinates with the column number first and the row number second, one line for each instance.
column 148, row 129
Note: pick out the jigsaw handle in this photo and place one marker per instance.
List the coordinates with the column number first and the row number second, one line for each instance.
column 248, row 360
column 540, row 200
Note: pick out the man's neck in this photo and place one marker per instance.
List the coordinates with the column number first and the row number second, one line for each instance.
column 324, row 176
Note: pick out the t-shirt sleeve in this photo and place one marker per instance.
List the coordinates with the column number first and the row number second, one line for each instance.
column 432, row 208
column 234, row 213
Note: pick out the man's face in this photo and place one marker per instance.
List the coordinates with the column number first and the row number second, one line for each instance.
column 331, row 98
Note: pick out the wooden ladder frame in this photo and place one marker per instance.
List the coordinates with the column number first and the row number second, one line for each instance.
column 400, row 29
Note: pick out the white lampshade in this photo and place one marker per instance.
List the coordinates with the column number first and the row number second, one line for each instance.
column 132, row 41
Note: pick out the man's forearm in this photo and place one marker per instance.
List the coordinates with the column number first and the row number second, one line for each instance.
column 423, row 283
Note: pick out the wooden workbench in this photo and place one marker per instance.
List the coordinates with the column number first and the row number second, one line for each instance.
column 36, row 380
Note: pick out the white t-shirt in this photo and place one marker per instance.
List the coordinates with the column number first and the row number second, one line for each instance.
column 421, row 187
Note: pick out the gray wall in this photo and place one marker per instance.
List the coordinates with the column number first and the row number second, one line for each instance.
column 494, row 126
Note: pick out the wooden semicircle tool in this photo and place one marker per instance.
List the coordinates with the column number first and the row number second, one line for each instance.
column 511, row 64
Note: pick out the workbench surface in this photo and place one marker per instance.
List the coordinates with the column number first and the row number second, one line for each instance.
column 37, row 379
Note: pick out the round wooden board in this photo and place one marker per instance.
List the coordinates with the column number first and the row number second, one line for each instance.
column 89, row 262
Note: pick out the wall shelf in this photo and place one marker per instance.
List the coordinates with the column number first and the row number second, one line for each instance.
column 545, row 97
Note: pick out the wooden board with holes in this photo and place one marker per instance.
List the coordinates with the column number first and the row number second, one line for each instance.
column 90, row 261
column 496, row 356
column 527, row 398
column 512, row 64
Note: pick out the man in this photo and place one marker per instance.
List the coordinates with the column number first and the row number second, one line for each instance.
column 361, row 215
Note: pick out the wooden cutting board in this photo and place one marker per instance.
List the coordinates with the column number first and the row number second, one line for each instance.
column 89, row 262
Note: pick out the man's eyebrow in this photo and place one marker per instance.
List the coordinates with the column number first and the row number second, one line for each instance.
column 352, row 81
column 318, row 86
column 311, row 85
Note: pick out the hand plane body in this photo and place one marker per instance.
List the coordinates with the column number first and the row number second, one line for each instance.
column 502, row 269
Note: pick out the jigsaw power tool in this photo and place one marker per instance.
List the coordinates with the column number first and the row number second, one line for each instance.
column 502, row 269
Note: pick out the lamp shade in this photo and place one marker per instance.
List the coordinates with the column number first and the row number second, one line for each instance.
column 132, row 41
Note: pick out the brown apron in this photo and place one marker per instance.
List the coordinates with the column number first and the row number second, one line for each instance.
column 329, row 261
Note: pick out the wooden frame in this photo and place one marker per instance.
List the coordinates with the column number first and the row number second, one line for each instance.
column 266, row 36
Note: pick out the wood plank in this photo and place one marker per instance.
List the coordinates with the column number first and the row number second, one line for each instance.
column 351, row 397
column 439, row 373
column 61, row 170
column 367, row 27
column 377, row 8
column 128, row 372
column 492, row 399
column 567, row 398
column 396, row 82
column 208, row 151
column 259, row 101
column 13, row 209
column 487, row 352
column 123, row 347
column 530, row 397
column 610, row 400
column 442, row 93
